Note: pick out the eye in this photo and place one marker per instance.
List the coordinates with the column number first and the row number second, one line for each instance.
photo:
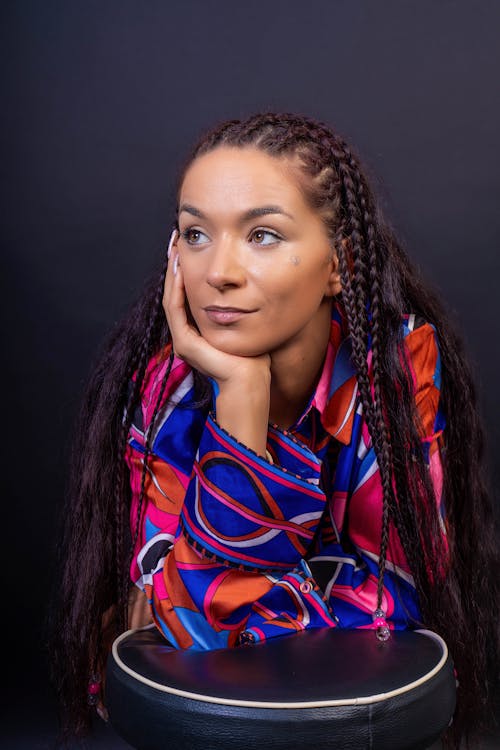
column 260, row 234
column 192, row 236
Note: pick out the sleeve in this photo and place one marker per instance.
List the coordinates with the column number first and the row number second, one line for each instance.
column 220, row 527
column 168, row 467
column 236, row 571
column 353, row 528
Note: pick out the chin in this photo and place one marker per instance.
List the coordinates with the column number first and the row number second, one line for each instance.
column 236, row 347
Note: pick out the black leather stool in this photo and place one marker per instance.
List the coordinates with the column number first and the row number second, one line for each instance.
column 319, row 689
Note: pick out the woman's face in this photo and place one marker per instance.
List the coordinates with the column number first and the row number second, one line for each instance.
column 257, row 263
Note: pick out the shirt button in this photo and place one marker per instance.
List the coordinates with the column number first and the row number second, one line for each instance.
column 305, row 587
column 246, row 637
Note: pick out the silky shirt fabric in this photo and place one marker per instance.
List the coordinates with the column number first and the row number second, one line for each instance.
column 233, row 548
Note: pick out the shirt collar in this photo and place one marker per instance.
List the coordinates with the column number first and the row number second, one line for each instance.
column 335, row 395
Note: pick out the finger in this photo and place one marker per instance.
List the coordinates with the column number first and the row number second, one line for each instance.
column 175, row 306
column 102, row 711
column 173, row 238
column 139, row 610
column 172, row 249
column 184, row 335
column 188, row 342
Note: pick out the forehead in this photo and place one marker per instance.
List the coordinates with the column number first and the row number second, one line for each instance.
column 229, row 176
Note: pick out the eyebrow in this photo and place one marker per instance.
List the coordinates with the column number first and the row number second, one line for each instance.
column 252, row 213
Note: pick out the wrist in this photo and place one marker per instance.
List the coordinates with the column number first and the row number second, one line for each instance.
column 254, row 386
column 250, row 374
column 243, row 411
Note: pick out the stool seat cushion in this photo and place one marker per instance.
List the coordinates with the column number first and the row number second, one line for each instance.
column 325, row 688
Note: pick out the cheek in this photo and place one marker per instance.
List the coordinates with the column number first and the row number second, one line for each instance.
column 191, row 283
column 192, row 298
column 296, row 284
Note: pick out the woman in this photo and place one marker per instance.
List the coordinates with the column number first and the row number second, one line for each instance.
column 286, row 425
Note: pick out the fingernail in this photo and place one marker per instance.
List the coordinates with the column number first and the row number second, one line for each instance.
column 176, row 263
column 102, row 713
column 171, row 242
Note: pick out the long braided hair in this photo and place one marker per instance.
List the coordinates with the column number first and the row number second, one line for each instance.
column 379, row 284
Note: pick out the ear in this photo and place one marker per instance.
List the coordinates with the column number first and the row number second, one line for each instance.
column 333, row 286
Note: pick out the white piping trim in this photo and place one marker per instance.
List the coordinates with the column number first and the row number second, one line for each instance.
column 174, row 399
column 349, row 409
column 389, row 565
column 377, row 698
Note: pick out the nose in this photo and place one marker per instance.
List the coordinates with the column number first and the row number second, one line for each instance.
column 225, row 269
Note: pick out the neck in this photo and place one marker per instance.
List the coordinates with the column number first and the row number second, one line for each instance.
column 296, row 370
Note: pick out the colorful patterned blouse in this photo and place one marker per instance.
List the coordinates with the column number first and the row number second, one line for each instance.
column 237, row 548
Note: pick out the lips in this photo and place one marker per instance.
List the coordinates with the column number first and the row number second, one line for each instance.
column 226, row 315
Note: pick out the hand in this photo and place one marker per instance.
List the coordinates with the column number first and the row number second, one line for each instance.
column 242, row 381
column 108, row 634
column 139, row 609
column 192, row 347
column 139, row 615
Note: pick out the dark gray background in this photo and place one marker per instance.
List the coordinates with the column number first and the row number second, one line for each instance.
column 100, row 103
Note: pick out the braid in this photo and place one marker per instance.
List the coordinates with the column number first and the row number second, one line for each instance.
column 371, row 410
column 355, row 297
column 384, row 449
column 149, row 344
column 137, row 364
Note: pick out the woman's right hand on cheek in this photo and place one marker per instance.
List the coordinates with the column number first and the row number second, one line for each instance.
column 242, row 404
column 193, row 348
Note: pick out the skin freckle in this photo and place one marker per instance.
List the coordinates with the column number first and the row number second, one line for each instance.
column 295, row 260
